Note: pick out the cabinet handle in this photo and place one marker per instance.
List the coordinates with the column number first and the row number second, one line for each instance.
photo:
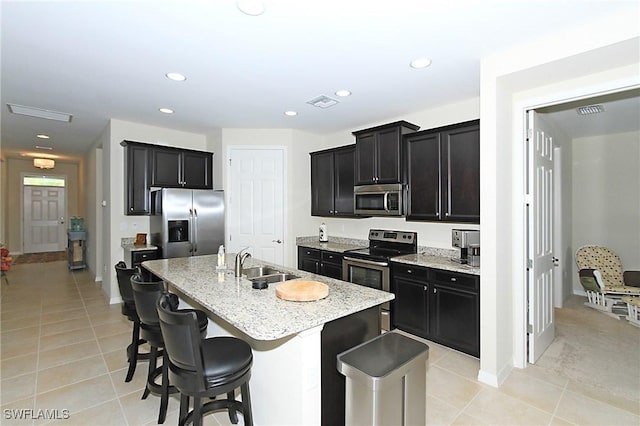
column 425, row 288
column 409, row 271
column 453, row 279
column 435, row 290
column 447, row 214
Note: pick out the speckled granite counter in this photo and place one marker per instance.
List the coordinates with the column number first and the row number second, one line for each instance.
column 133, row 247
column 439, row 262
column 259, row 313
column 336, row 244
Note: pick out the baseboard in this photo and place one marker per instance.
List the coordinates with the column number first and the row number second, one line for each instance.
column 495, row 380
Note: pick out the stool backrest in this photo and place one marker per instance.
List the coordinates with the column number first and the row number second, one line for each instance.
column 146, row 295
column 124, row 275
column 181, row 334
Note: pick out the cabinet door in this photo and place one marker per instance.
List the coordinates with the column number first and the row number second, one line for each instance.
column 344, row 163
column 388, row 155
column 410, row 306
column 461, row 174
column 197, row 170
column 423, row 176
column 166, row 172
column 366, row 158
column 309, row 260
column 138, row 160
column 322, row 184
column 455, row 319
column 331, row 264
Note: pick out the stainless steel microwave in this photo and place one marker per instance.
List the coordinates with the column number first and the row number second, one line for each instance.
column 378, row 200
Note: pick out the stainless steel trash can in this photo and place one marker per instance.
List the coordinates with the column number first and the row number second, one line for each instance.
column 385, row 381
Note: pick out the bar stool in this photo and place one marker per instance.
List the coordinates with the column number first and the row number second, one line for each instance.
column 202, row 368
column 146, row 295
column 129, row 310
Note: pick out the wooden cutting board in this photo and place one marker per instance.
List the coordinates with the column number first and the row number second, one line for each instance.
column 302, row 291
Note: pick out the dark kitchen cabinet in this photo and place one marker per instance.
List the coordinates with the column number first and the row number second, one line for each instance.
column 332, row 181
column 438, row 305
column 443, row 173
column 309, row 259
column 137, row 160
column 179, row 168
column 379, row 153
column 331, row 264
column 410, row 311
column 321, row 262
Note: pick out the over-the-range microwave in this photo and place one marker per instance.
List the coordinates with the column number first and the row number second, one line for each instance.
column 378, row 200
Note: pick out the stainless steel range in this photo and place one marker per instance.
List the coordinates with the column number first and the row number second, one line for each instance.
column 370, row 266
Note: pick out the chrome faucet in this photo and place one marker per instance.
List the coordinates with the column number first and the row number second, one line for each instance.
column 240, row 258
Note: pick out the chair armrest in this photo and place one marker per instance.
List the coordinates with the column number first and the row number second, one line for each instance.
column 591, row 280
column 631, row 278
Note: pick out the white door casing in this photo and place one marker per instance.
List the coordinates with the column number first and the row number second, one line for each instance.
column 558, row 252
column 44, row 219
column 540, row 237
column 256, row 202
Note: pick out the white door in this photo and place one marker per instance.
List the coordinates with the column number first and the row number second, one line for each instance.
column 256, row 213
column 44, row 219
column 539, row 237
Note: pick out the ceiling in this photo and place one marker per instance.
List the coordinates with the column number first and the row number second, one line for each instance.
column 107, row 59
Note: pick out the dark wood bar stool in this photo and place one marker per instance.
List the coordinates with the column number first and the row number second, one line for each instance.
column 202, row 368
column 124, row 275
column 146, row 295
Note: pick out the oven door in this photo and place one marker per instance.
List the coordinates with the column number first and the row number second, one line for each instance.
column 372, row 274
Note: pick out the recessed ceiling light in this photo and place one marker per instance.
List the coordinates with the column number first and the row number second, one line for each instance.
column 166, row 110
column 251, row 7
column 45, row 148
column 42, row 136
column 290, row 113
column 175, row 76
column 343, row 93
column 39, row 113
column 420, row 63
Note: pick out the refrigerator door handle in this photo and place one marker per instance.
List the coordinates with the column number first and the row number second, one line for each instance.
column 195, row 230
column 191, row 230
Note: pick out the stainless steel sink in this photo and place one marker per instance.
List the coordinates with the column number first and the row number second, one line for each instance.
column 259, row 271
column 275, row 278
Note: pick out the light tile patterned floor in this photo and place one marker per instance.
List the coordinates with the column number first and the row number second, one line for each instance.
column 63, row 349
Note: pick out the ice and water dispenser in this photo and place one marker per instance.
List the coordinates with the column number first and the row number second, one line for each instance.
column 178, row 230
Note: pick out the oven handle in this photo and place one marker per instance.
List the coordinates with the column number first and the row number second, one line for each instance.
column 366, row 262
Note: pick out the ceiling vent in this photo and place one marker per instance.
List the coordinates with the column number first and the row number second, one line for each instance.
column 39, row 113
column 322, row 101
column 590, row 109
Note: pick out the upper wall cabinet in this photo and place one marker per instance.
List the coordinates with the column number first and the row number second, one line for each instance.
column 379, row 153
column 137, row 160
column 443, row 173
column 332, row 181
column 179, row 168
column 148, row 165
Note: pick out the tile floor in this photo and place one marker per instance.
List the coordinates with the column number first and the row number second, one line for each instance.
column 62, row 348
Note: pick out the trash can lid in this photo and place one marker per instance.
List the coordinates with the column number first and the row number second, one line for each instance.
column 383, row 354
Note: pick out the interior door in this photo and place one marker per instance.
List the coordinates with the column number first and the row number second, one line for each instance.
column 540, row 237
column 44, row 219
column 256, row 214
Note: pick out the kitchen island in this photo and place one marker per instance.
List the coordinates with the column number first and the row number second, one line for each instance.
column 294, row 378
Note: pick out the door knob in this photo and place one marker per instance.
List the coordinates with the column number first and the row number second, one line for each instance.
column 276, row 241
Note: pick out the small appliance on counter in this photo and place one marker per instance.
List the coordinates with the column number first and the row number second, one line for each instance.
column 322, row 231
column 464, row 239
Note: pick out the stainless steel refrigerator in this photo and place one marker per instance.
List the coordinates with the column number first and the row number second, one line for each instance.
column 187, row 222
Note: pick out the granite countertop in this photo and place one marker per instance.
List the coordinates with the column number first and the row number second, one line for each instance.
column 133, row 247
column 259, row 313
column 438, row 262
column 339, row 245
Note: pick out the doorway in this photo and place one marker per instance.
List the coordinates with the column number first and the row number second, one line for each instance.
column 593, row 207
column 256, row 201
column 44, row 208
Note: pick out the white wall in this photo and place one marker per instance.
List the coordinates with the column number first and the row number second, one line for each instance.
column 606, row 196
column 116, row 224
column 93, row 211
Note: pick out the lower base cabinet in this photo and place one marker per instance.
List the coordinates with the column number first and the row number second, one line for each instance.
column 321, row 262
column 438, row 305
